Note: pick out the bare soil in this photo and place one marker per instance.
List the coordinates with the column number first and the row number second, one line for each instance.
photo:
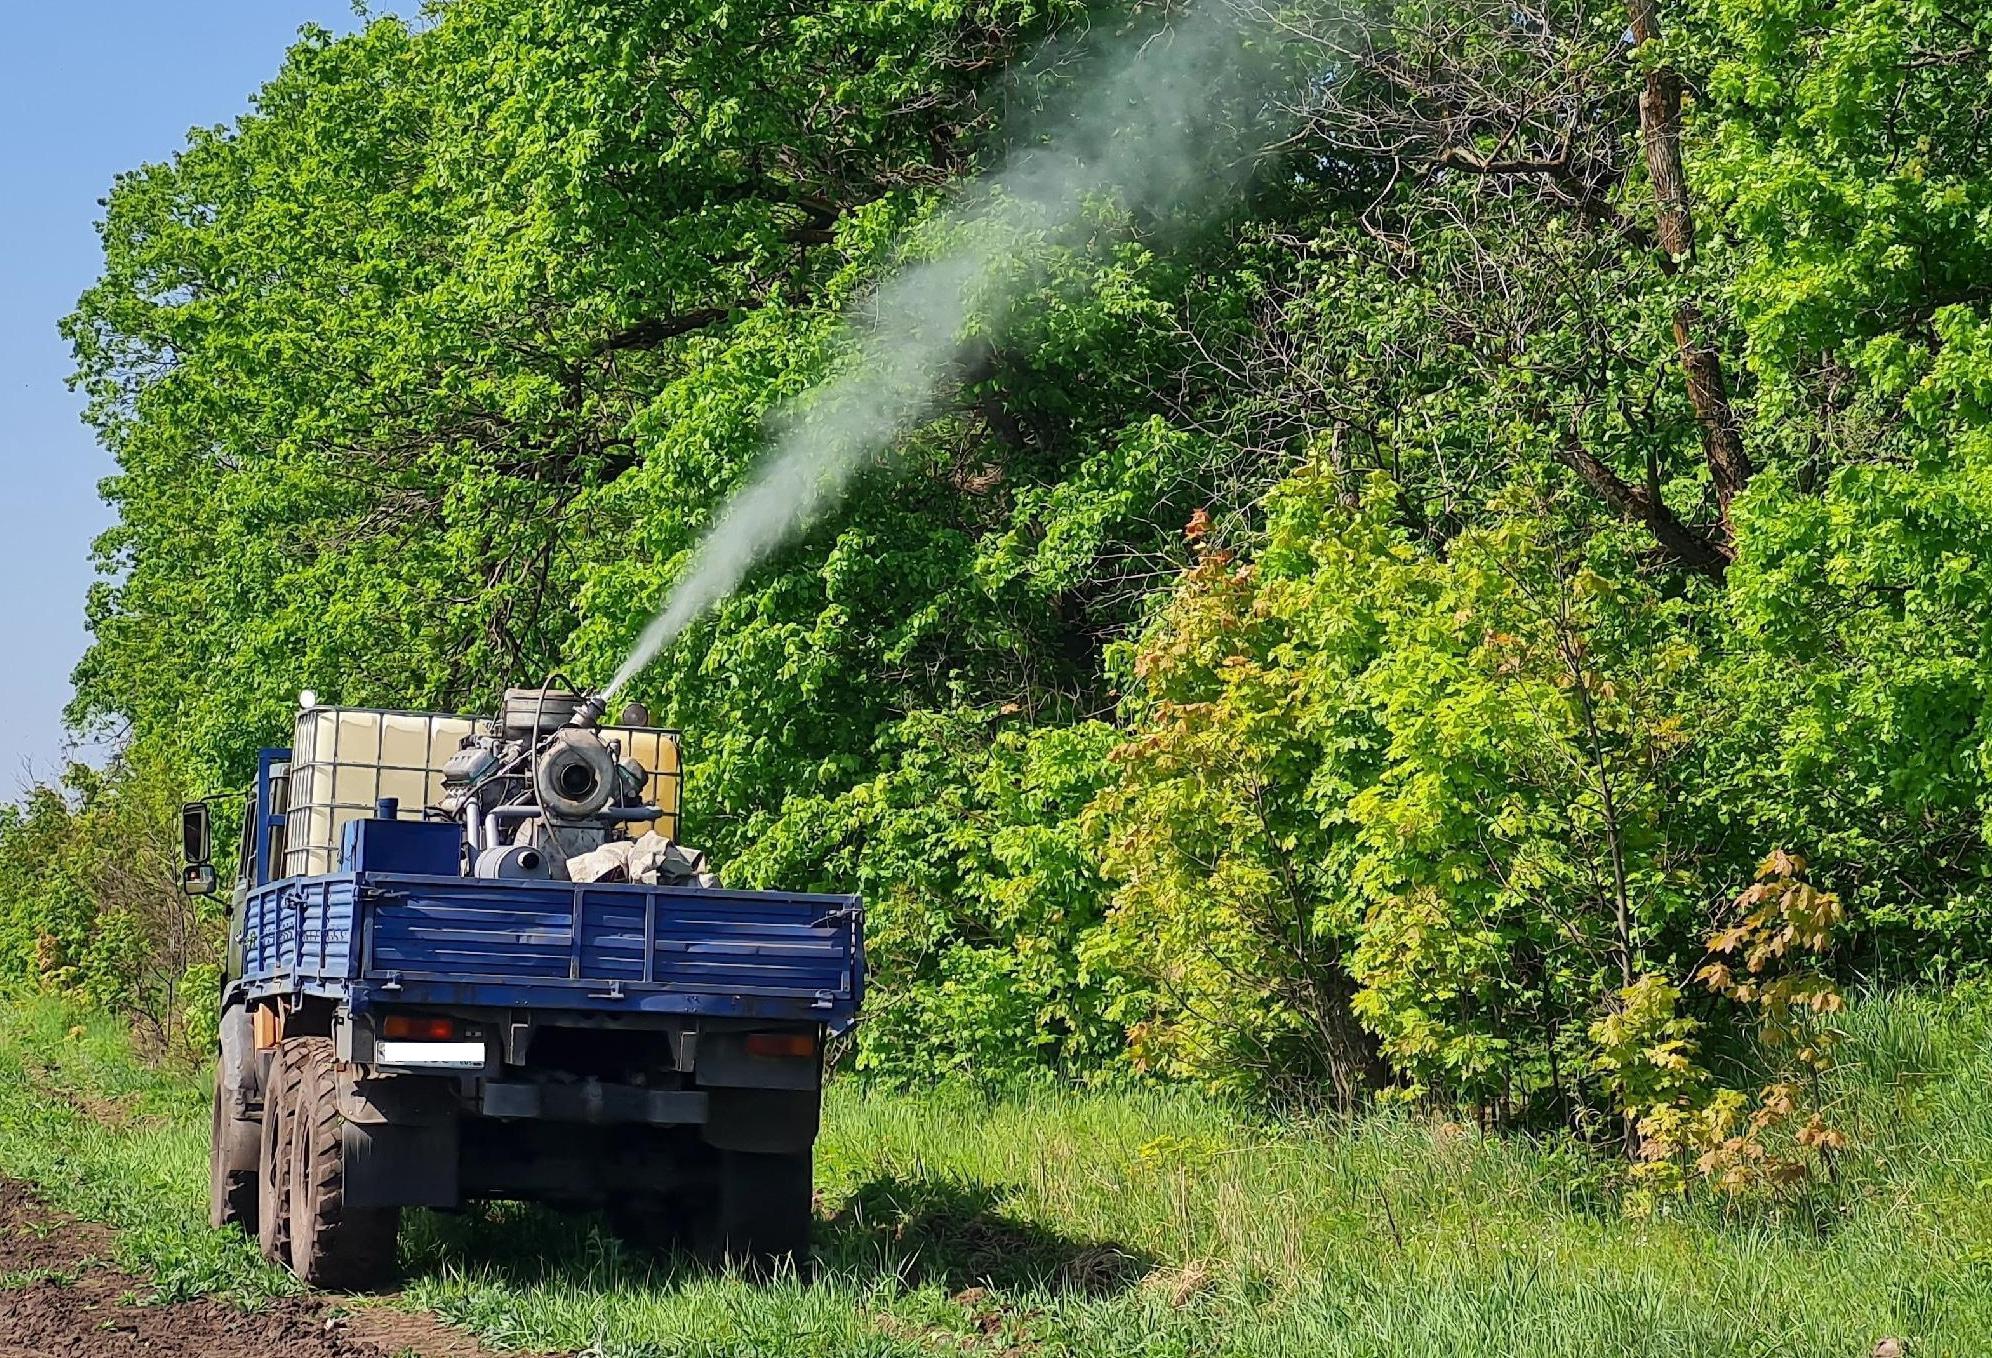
column 60, row 1296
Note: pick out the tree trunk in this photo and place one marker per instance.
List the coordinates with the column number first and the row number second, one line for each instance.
column 1674, row 236
column 1348, row 1050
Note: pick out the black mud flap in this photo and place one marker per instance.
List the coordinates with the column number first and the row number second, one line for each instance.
column 390, row 1166
column 762, row 1121
column 400, row 1141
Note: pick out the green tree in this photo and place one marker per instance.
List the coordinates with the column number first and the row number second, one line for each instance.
column 1354, row 636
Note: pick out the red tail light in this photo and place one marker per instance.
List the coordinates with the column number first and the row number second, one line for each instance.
column 409, row 1027
column 781, row 1044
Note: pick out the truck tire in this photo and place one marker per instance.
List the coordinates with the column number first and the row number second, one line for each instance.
column 273, row 1163
column 764, row 1207
column 332, row 1244
column 234, row 1164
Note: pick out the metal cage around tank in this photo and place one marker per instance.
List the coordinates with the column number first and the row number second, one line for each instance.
column 345, row 760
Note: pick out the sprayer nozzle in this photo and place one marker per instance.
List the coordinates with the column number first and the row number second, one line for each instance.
column 591, row 710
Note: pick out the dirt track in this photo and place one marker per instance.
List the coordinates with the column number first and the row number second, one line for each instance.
column 58, row 1297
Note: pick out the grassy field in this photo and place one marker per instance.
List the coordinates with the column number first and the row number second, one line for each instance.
column 1145, row 1224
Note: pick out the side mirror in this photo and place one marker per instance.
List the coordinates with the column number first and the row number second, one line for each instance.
column 194, row 846
column 198, row 879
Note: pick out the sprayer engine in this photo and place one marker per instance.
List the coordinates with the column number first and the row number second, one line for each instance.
column 542, row 793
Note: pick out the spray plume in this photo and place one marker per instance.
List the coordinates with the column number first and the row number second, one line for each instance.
column 1151, row 133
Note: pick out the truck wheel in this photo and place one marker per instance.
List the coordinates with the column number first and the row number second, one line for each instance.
column 273, row 1162
column 234, row 1165
column 764, row 1209
column 333, row 1245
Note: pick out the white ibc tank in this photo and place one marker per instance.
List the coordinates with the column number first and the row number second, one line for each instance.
column 345, row 759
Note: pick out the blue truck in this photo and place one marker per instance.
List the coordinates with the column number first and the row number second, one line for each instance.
column 509, row 982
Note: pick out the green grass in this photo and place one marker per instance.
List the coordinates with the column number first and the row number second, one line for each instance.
column 1147, row 1224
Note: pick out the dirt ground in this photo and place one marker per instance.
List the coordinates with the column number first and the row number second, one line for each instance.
column 60, row 1297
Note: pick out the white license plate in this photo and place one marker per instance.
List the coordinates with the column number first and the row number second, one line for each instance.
column 431, row 1055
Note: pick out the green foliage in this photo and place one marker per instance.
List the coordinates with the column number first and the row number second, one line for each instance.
column 1317, row 646
column 426, row 376
column 1846, row 151
column 1861, row 691
column 1370, row 778
column 90, row 901
column 977, row 883
column 1686, row 1125
column 1647, row 1050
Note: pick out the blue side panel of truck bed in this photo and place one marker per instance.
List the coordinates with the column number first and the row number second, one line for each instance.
column 301, row 928
column 386, row 938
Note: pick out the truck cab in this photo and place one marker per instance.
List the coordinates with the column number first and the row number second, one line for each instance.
column 469, row 960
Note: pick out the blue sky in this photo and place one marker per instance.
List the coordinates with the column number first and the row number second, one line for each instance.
column 91, row 87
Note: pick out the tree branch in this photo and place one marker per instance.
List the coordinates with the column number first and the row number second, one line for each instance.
column 1643, row 505
column 648, row 334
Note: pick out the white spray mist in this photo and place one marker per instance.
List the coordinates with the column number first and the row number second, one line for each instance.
column 1142, row 134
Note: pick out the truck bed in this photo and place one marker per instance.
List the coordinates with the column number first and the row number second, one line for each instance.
column 395, row 939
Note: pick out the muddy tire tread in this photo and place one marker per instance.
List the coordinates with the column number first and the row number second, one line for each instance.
column 273, row 1171
column 233, row 1195
column 332, row 1245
